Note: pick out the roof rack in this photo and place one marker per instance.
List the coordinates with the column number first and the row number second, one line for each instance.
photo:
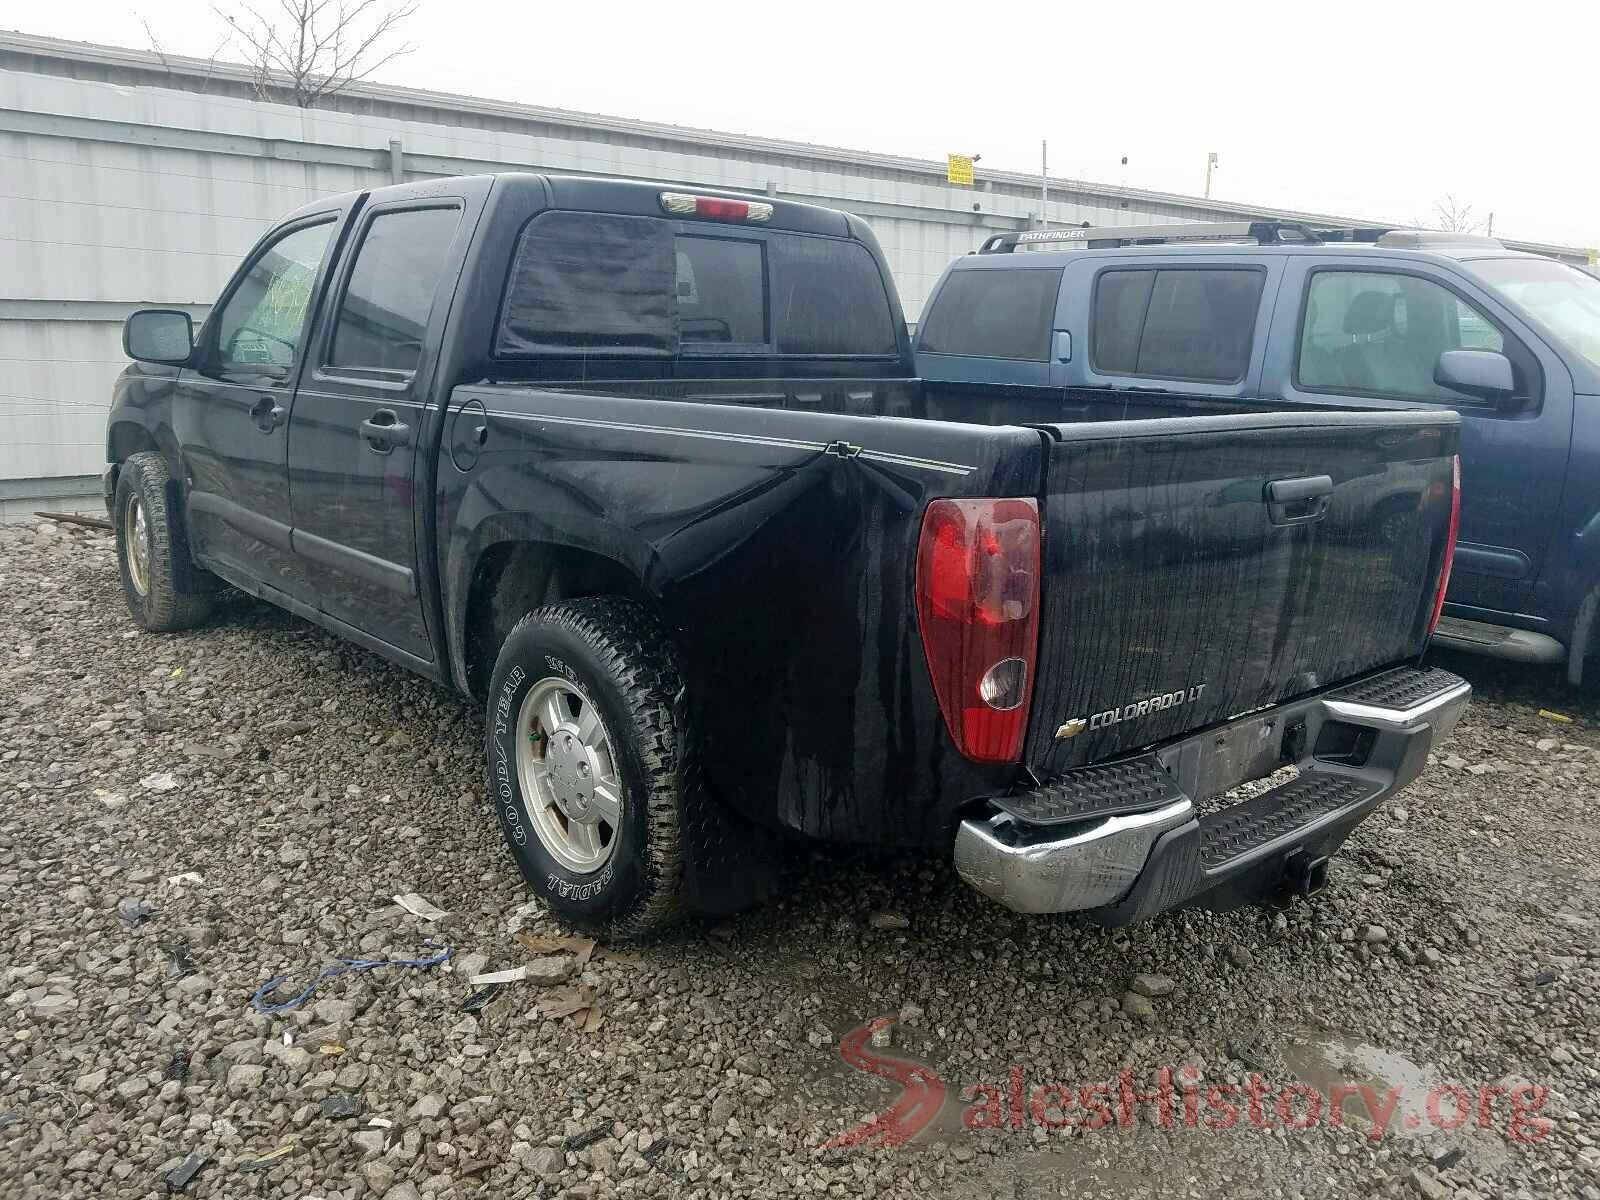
column 1087, row 237
column 1262, row 232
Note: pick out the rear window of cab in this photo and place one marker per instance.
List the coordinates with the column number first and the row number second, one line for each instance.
column 605, row 284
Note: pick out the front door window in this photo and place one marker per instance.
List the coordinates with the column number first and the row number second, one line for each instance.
column 260, row 328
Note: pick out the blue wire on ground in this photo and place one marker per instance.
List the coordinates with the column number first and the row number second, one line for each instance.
column 342, row 966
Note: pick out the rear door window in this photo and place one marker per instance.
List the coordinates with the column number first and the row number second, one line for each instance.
column 384, row 314
column 1121, row 299
column 1185, row 323
column 993, row 314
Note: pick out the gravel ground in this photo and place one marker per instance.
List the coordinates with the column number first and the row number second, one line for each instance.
column 306, row 783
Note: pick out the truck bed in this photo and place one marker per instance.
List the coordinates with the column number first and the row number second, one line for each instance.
column 1165, row 570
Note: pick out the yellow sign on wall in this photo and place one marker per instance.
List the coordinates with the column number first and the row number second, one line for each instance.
column 959, row 170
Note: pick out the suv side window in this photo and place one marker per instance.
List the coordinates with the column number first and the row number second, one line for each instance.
column 1381, row 333
column 260, row 327
column 1191, row 323
column 993, row 314
column 384, row 313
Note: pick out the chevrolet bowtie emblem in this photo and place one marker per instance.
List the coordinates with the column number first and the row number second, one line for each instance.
column 1071, row 729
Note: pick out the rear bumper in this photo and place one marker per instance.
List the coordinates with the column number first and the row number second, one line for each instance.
column 1127, row 840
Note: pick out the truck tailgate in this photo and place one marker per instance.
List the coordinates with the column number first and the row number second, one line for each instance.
column 1182, row 588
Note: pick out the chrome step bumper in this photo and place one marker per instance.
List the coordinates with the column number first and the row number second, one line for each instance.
column 1126, row 840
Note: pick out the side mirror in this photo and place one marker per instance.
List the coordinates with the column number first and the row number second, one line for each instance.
column 159, row 335
column 1485, row 374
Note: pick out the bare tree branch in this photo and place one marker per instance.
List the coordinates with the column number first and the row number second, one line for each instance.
column 1452, row 216
column 315, row 49
column 155, row 45
column 160, row 52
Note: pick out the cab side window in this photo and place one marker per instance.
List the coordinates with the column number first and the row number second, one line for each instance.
column 261, row 326
column 1381, row 333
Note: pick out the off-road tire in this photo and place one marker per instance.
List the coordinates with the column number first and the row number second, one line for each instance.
column 164, row 606
column 618, row 654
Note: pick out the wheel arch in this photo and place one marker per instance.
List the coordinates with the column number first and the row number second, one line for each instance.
column 124, row 439
column 513, row 576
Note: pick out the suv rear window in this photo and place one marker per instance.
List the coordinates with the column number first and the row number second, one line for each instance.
column 605, row 284
column 1193, row 323
column 993, row 314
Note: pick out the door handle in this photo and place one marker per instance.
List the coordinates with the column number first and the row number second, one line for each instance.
column 267, row 413
column 383, row 431
column 1297, row 501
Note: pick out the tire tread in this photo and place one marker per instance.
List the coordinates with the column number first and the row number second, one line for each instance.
column 164, row 608
column 631, row 646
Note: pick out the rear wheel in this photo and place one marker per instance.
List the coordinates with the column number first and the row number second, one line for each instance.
column 586, row 764
column 152, row 555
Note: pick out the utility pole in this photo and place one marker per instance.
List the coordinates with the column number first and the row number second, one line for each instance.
column 1044, row 184
column 1211, row 164
column 1490, row 232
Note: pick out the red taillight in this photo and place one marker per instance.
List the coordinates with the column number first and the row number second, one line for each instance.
column 1449, row 544
column 717, row 208
column 978, row 605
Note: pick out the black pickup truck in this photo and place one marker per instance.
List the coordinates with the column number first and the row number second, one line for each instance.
column 647, row 472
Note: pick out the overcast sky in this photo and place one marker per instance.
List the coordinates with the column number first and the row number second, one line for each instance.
column 1366, row 110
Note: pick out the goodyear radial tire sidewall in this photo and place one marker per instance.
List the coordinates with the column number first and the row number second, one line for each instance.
column 532, row 653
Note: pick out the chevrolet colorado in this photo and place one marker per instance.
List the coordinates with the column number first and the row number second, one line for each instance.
column 646, row 471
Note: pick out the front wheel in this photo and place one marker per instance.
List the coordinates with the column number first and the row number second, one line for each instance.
column 586, row 762
column 152, row 555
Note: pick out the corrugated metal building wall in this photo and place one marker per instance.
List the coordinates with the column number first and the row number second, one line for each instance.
column 126, row 179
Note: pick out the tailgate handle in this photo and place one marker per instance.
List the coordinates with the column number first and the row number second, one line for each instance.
column 1298, row 501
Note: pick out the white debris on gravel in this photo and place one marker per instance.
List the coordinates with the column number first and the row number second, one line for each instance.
column 702, row 1067
column 418, row 906
column 509, row 975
